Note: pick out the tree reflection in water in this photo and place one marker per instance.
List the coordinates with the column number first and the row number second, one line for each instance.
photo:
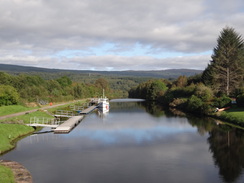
column 227, row 146
column 226, row 143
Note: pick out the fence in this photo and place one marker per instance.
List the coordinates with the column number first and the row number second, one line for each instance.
column 44, row 120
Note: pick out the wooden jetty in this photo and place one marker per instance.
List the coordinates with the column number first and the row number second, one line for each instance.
column 68, row 125
column 88, row 110
column 42, row 125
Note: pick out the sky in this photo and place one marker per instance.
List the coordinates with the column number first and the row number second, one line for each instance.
column 115, row 35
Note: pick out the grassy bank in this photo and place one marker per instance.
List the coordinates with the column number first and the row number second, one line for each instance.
column 234, row 115
column 25, row 119
column 6, row 175
column 11, row 109
column 9, row 133
column 12, row 128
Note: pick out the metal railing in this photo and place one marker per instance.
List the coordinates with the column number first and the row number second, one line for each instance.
column 45, row 121
column 64, row 113
column 76, row 108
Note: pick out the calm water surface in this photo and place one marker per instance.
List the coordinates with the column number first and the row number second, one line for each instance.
column 135, row 143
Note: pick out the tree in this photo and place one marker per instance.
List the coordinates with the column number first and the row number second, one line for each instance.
column 8, row 95
column 64, row 81
column 181, row 81
column 156, row 90
column 203, row 92
column 5, row 79
column 102, row 83
column 226, row 69
column 152, row 90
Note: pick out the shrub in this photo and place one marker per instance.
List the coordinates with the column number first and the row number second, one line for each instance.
column 179, row 92
column 203, row 92
column 222, row 102
column 194, row 104
column 8, row 95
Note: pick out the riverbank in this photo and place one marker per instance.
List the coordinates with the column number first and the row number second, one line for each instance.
column 13, row 172
column 9, row 133
column 233, row 115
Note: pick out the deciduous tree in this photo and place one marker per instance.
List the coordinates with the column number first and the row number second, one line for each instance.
column 8, row 95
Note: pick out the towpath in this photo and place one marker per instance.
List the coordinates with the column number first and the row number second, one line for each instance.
column 33, row 110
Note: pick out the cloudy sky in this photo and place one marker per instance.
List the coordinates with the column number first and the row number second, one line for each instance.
column 114, row 34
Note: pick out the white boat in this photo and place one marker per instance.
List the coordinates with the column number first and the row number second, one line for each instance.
column 103, row 103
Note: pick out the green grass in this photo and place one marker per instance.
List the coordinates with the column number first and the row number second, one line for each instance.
column 9, row 133
column 6, row 175
column 25, row 119
column 234, row 114
column 11, row 109
column 5, row 110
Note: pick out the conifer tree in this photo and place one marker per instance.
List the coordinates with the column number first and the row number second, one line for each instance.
column 226, row 69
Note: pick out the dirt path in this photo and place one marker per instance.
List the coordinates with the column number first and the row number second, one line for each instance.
column 33, row 110
column 21, row 174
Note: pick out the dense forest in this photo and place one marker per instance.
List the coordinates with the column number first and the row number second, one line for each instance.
column 23, row 88
column 219, row 84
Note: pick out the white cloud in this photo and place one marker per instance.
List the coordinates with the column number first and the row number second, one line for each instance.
column 33, row 31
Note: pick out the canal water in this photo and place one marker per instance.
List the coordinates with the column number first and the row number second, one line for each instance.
column 135, row 142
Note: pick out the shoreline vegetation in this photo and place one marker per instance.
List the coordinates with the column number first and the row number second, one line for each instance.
column 233, row 115
column 10, row 133
column 6, row 174
column 221, row 84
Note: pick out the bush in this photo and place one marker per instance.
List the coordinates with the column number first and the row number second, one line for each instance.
column 203, row 92
column 8, row 95
column 240, row 100
column 194, row 104
column 222, row 102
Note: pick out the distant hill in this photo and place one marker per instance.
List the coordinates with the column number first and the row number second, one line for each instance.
column 166, row 74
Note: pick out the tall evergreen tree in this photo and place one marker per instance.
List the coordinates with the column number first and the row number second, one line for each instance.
column 226, row 69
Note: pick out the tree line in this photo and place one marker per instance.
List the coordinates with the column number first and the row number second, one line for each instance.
column 219, row 83
column 23, row 88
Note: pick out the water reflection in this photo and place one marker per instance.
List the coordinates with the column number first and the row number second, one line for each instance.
column 136, row 142
column 227, row 146
column 102, row 113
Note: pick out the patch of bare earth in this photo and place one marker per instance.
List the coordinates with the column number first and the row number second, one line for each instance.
column 21, row 174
